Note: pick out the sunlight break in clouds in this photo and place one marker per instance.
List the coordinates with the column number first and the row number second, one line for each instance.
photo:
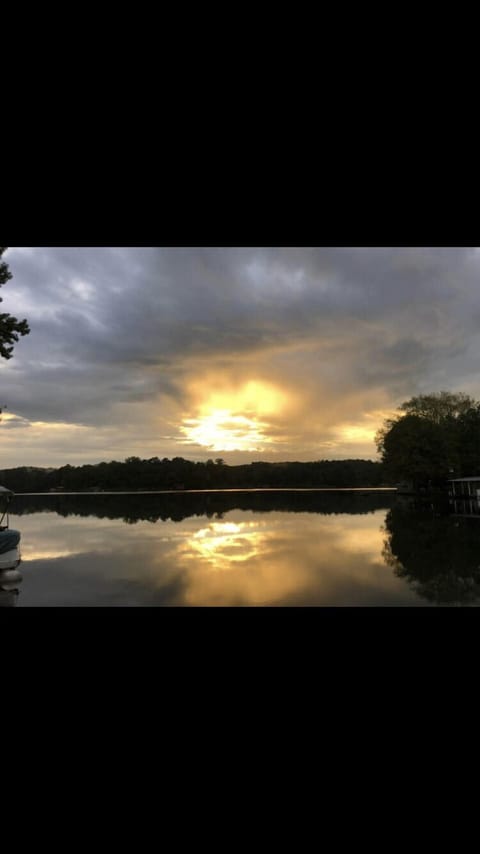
column 229, row 420
column 224, row 431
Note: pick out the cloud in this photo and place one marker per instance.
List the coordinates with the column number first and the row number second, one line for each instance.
column 13, row 422
column 125, row 342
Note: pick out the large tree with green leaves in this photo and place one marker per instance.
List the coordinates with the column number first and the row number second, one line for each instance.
column 10, row 327
column 439, row 407
column 435, row 437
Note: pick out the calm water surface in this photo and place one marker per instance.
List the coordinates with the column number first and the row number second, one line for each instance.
column 327, row 549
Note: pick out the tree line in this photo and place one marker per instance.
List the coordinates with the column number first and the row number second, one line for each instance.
column 177, row 473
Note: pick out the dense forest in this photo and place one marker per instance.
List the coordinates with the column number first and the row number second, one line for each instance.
column 156, row 474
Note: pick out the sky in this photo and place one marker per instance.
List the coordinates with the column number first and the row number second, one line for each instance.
column 240, row 353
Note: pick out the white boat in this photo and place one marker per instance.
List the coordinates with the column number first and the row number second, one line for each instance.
column 9, row 539
column 10, row 557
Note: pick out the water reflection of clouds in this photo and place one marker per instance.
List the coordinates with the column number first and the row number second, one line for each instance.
column 246, row 558
column 224, row 544
column 292, row 559
column 359, row 536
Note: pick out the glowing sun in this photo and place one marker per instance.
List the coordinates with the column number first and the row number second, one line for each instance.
column 234, row 420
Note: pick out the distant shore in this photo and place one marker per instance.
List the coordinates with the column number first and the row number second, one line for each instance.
column 366, row 489
column 164, row 475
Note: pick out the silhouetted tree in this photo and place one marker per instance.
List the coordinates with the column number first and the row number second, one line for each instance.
column 417, row 449
column 437, row 434
column 10, row 327
column 467, row 437
column 439, row 407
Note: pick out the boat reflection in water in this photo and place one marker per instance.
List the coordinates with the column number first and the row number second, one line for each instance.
column 10, row 558
column 9, row 581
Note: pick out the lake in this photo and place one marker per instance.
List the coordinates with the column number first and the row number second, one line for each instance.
column 237, row 548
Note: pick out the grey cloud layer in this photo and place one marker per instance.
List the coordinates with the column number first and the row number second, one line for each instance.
column 129, row 325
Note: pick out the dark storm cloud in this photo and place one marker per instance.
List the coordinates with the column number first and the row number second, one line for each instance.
column 131, row 325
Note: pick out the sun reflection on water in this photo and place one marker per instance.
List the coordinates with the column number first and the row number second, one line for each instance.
column 224, row 545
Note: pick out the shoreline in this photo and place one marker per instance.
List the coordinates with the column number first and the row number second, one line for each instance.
column 360, row 489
